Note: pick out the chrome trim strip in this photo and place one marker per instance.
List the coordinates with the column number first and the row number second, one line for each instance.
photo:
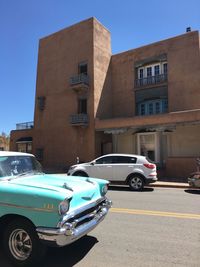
column 27, row 207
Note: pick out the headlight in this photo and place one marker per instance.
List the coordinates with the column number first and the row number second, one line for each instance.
column 63, row 207
column 104, row 189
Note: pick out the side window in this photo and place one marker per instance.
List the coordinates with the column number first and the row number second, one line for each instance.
column 106, row 160
column 126, row 160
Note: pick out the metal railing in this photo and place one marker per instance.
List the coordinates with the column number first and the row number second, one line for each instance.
column 151, row 80
column 24, row 125
column 79, row 119
column 80, row 78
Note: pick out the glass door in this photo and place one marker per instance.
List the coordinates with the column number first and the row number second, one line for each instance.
column 148, row 146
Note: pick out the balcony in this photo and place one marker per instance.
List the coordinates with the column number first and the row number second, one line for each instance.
column 24, row 125
column 79, row 119
column 80, row 82
column 152, row 80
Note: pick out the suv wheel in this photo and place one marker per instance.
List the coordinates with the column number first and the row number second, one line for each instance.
column 136, row 182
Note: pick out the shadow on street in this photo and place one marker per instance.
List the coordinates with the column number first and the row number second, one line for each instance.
column 126, row 188
column 66, row 256
column 193, row 191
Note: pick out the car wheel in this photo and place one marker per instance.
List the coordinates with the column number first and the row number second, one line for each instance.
column 83, row 174
column 136, row 183
column 22, row 244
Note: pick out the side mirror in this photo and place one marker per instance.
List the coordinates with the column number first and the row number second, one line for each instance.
column 92, row 162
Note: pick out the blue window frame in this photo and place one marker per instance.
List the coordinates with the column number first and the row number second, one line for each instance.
column 152, row 107
column 156, row 70
column 149, row 71
column 141, row 73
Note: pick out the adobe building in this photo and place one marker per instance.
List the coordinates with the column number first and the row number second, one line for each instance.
column 89, row 102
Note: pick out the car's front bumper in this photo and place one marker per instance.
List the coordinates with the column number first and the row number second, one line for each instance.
column 73, row 229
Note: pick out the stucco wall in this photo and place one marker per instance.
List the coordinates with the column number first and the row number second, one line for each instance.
column 102, row 72
column 59, row 56
column 184, row 142
column 183, row 59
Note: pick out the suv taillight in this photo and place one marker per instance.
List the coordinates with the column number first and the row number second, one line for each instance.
column 149, row 165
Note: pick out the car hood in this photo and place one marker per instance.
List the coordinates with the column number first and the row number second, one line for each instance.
column 58, row 183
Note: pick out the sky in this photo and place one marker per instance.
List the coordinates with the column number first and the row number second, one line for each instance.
column 132, row 24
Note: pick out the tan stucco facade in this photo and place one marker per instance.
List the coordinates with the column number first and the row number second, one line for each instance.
column 154, row 90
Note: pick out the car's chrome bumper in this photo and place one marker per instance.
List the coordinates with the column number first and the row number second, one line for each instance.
column 75, row 229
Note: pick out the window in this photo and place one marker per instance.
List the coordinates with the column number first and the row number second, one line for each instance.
column 82, row 68
column 82, row 106
column 41, row 102
column 164, row 105
column 156, row 70
column 142, row 109
column 165, row 68
column 141, row 73
column 152, row 70
column 149, row 71
column 106, row 160
column 24, row 144
column 151, row 107
column 157, row 107
column 24, row 147
column 127, row 160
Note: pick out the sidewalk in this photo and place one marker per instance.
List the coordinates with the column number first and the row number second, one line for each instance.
column 169, row 184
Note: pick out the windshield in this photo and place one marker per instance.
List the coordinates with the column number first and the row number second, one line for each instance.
column 16, row 165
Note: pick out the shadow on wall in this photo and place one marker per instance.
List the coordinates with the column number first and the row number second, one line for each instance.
column 104, row 109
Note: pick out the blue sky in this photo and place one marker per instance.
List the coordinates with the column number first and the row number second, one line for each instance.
column 24, row 22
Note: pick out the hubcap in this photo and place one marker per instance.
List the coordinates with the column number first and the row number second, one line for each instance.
column 136, row 183
column 20, row 244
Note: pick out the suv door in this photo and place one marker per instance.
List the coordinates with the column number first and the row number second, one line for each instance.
column 124, row 165
column 103, row 168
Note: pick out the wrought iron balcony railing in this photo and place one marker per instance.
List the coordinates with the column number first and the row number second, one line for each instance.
column 79, row 79
column 151, row 80
column 79, row 119
column 24, row 125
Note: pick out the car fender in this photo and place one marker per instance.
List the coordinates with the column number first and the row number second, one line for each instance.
column 136, row 172
column 79, row 169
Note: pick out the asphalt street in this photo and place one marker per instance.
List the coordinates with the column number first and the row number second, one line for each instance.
column 158, row 227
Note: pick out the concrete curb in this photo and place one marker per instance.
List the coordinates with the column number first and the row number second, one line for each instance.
column 170, row 185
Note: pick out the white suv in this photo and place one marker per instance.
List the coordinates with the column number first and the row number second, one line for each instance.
column 134, row 170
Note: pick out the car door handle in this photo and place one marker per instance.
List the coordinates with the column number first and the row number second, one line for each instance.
column 109, row 166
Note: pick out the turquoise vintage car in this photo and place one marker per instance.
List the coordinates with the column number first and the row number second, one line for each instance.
column 38, row 209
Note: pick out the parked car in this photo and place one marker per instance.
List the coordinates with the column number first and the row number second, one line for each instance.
column 134, row 170
column 37, row 209
column 194, row 178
